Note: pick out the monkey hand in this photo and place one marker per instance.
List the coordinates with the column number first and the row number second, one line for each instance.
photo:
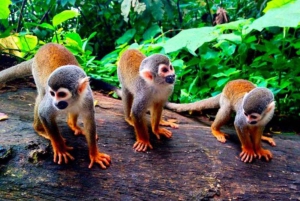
column 269, row 140
column 61, row 152
column 142, row 145
column 264, row 153
column 247, row 155
column 221, row 137
column 162, row 131
column 102, row 159
column 169, row 122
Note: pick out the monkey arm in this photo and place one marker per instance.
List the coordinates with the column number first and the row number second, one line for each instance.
column 90, row 129
column 59, row 147
column 256, row 135
column 248, row 153
column 156, row 111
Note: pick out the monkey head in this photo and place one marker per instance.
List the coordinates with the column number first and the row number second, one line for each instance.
column 258, row 106
column 66, row 84
column 158, row 69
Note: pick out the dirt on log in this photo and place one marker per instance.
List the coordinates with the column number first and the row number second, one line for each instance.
column 192, row 165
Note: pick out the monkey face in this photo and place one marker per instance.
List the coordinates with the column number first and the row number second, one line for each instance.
column 60, row 98
column 167, row 72
column 252, row 118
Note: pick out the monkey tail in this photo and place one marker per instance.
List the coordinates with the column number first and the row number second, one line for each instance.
column 18, row 71
column 100, row 84
column 209, row 103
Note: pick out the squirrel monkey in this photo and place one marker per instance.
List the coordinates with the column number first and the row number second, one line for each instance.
column 63, row 87
column 254, row 107
column 147, row 83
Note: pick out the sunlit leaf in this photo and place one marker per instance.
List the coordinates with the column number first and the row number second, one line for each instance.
column 191, row 39
column 4, row 11
column 276, row 4
column 286, row 16
column 64, row 16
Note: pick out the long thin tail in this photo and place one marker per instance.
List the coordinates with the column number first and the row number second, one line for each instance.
column 208, row 103
column 18, row 71
column 100, row 84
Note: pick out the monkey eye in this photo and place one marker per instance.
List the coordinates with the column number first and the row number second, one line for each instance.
column 171, row 67
column 165, row 70
column 245, row 113
column 61, row 94
column 52, row 93
column 253, row 117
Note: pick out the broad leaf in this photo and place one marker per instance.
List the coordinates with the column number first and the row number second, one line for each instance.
column 276, row 4
column 4, row 11
column 127, row 36
column 191, row 39
column 286, row 16
column 64, row 16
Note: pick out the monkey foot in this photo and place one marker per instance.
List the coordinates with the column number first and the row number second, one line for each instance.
column 247, row 155
column 221, row 137
column 269, row 140
column 61, row 153
column 162, row 131
column 169, row 122
column 76, row 129
column 141, row 146
column 264, row 153
column 102, row 159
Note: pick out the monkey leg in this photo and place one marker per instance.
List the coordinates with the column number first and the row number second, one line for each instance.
column 156, row 111
column 170, row 123
column 72, row 122
column 222, row 118
column 140, row 126
column 248, row 153
column 270, row 140
column 37, row 124
column 127, row 100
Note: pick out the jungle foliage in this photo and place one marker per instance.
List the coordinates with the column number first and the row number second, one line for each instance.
column 260, row 43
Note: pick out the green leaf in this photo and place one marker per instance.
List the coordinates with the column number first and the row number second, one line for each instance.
column 76, row 37
column 64, row 16
column 222, row 82
column 286, row 16
column 276, row 4
column 191, row 39
column 4, row 10
column 151, row 32
column 127, row 36
column 231, row 37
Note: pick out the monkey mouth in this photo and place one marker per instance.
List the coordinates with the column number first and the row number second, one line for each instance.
column 252, row 122
column 170, row 79
column 61, row 105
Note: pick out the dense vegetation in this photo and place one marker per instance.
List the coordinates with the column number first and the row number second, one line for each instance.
column 261, row 42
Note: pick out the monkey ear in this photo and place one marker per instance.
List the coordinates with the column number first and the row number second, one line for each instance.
column 83, row 84
column 146, row 75
column 271, row 106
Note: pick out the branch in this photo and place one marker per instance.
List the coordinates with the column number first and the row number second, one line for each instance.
column 179, row 13
column 21, row 15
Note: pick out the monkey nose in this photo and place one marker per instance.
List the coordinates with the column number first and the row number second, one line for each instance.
column 61, row 105
column 170, row 79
